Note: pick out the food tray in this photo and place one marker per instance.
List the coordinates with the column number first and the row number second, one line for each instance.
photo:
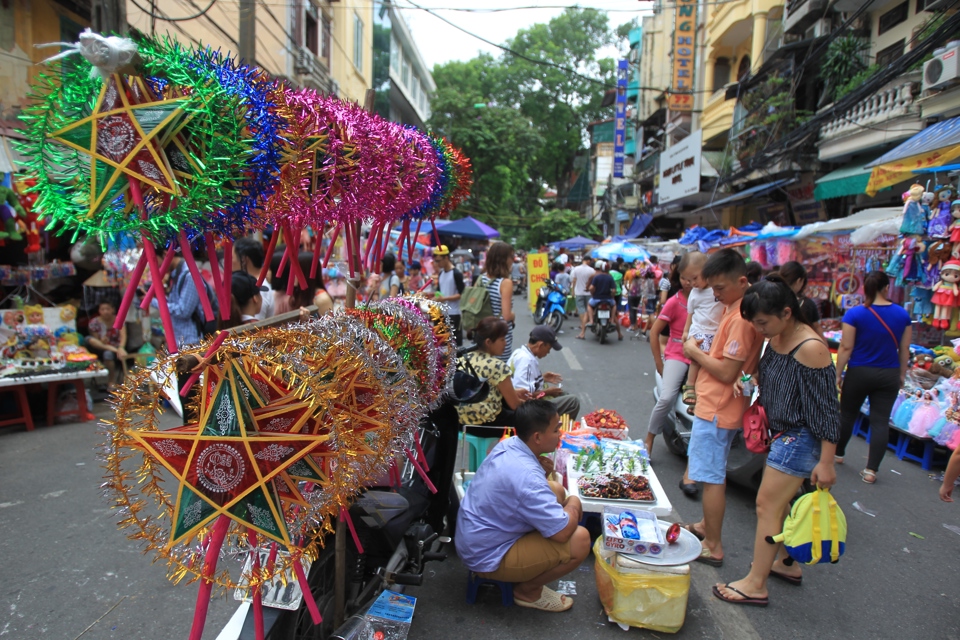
column 575, row 482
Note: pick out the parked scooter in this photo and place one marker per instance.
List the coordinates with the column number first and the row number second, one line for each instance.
column 743, row 466
column 604, row 316
column 519, row 286
column 551, row 305
column 399, row 530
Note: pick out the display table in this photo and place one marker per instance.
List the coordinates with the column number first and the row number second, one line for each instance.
column 18, row 384
column 661, row 507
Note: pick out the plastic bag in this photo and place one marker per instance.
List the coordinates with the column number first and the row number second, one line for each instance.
column 657, row 602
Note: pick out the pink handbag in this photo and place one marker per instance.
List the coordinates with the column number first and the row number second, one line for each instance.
column 756, row 429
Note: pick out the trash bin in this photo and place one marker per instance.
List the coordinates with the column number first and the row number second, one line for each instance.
column 641, row 595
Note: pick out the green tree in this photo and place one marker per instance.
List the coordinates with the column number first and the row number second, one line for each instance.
column 554, row 225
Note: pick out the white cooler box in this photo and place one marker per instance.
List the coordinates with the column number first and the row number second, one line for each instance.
column 641, row 595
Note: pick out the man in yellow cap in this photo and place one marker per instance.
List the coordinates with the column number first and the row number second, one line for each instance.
column 448, row 285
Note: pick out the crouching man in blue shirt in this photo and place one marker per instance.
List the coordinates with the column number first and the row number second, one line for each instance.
column 513, row 524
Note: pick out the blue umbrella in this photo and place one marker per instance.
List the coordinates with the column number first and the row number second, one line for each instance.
column 468, row 228
column 613, row 250
column 574, row 244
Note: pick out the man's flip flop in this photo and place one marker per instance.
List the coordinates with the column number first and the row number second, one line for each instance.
column 745, row 599
column 707, row 558
column 549, row 600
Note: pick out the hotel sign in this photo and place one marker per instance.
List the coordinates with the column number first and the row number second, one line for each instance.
column 684, row 37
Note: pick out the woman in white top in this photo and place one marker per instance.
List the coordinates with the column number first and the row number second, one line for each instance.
column 704, row 312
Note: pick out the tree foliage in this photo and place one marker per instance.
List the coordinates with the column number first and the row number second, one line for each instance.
column 555, row 225
column 520, row 122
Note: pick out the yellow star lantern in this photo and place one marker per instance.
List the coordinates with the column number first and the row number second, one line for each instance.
column 227, row 464
column 123, row 138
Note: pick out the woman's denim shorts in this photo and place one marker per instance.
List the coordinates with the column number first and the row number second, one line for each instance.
column 795, row 452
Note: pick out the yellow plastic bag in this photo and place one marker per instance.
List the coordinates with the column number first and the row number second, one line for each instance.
column 657, row 602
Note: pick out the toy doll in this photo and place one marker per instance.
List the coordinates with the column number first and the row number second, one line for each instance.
column 938, row 253
column 945, row 294
column 926, row 414
column 940, row 219
column 955, row 226
column 905, row 411
column 911, row 249
column 34, row 313
column 914, row 223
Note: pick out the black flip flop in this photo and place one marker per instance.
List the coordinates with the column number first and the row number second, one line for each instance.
column 746, row 600
column 794, row 580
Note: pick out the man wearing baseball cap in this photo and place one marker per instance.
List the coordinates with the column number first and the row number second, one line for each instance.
column 448, row 286
column 525, row 364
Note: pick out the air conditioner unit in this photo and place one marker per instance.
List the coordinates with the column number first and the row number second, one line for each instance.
column 303, row 64
column 818, row 29
column 942, row 69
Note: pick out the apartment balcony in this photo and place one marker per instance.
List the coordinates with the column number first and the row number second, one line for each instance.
column 717, row 116
column 801, row 14
column 887, row 117
column 732, row 22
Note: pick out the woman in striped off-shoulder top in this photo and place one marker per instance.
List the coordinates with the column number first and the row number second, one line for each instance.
column 797, row 382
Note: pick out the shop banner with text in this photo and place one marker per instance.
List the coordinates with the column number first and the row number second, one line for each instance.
column 538, row 272
column 684, row 36
column 620, row 128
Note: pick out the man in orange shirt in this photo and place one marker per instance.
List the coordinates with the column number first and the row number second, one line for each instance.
column 719, row 414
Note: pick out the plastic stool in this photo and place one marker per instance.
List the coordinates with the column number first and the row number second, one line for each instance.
column 479, row 448
column 82, row 412
column 23, row 405
column 474, row 582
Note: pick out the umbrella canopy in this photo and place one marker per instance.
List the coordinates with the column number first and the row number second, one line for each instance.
column 468, row 228
column 575, row 243
column 613, row 250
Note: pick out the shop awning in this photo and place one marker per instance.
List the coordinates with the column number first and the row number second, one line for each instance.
column 849, row 180
column 855, row 221
column 935, row 146
column 759, row 190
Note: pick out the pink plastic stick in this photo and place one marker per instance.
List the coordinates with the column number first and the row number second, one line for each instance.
column 130, row 292
column 294, row 262
column 333, row 244
column 196, row 374
column 420, row 454
column 195, row 272
column 271, row 247
column 350, row 252
column 255, row 596
column 215, row 272
column 307, row 594
column 164, row 267
column 227, row 267
column 284, row 259
column 345, row 516
column 217, row 535
column 370, row 240
column 423, row 474
column 316, row 254
column 416, row 236
column 436, row 236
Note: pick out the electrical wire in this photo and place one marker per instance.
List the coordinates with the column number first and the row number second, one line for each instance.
column 166, row 18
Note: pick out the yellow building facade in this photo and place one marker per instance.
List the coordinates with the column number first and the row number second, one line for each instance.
column 735, row 37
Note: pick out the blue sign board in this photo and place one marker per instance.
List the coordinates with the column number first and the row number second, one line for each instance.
column 620, row 128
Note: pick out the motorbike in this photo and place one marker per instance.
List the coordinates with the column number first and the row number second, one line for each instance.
column 519, row 285
column 744, row 467
column 399, row 531
column 551, row 305
column 604, row 316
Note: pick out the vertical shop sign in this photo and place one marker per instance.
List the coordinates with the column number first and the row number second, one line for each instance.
column 684, row 37
column 538, row 272
column 620, row 130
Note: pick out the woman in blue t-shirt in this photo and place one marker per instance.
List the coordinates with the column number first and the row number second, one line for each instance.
column 875, row 349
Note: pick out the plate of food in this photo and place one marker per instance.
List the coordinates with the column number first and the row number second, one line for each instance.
column 616, row 487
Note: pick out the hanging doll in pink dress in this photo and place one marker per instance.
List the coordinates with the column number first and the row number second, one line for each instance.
column 955, row 228
column 946, row 294
column 926, row 414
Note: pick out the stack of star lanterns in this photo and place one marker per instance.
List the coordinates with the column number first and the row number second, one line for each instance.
column 186, row 148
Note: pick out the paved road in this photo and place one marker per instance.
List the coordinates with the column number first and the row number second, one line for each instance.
column 65, row 564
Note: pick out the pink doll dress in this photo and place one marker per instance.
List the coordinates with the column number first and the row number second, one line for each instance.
column 927, row 413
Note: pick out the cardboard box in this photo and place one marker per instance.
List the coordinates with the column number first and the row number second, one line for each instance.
column 645, row 539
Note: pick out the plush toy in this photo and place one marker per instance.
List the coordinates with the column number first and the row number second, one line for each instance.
column 10, row 208
column 945, row 363
column 945, row 294
column 940, row 220
column 955, row 227
column 67, row 312
column 938, row 253
column 30, row 221
column 914, row 223
column 911, row 249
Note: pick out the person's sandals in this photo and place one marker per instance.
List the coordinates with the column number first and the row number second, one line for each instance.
column 743, row 599
column 794, row 580
column 689, row 527
column 549, row 600
column 689, row 394
column 692, row 410
column 707, row 558
column 837, row 459
column 690, row 489
column 868, row 476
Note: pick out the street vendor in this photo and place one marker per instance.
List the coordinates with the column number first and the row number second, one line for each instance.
column 516, row 526
column 525, row 365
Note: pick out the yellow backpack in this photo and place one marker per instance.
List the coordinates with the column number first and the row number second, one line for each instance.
column 816, row 529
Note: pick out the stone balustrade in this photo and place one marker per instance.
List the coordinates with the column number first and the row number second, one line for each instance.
column 885, row 105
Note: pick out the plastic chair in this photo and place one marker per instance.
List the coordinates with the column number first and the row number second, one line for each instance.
column 474, row 582
column 478, row 448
